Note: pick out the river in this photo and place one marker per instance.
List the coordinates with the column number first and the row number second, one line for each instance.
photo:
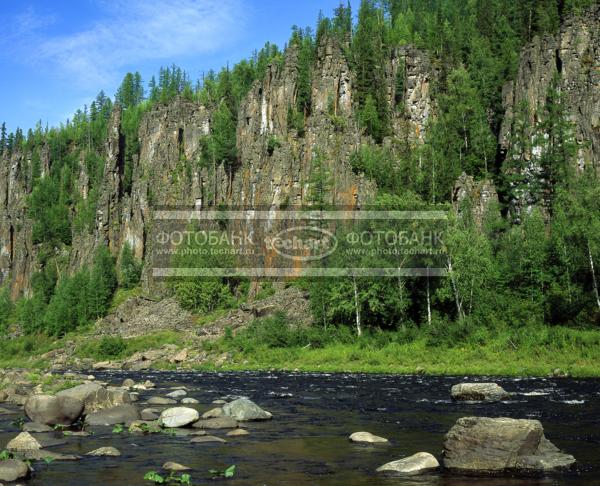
column 307, row 440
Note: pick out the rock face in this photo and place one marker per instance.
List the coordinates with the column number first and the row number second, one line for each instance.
column 418, row 463
column 243, row 410
column 178, row 417
column 120, row 414
column 497, row 445
column 574, row 55
column 12, row 470
column 479, row 392
column 53, row 410
column 368, row 438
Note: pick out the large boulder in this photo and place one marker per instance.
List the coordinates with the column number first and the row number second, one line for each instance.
column 244, row 410
column 416, row 464
column 495, row 445
column 53, row 410
column 120, row 414
column 12, row 470
column 178, row 417
column 479, row 392
column 95, row 397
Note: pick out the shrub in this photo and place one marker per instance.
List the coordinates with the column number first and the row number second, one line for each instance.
column 112, row 346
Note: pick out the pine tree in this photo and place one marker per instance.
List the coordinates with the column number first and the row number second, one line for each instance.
column 3, row 138
column 368, row 58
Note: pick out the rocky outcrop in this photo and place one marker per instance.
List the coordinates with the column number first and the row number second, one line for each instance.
column 499, row 445
column 477, row 198
column 574, row 54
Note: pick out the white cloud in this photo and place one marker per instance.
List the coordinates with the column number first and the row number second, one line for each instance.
column 132, row 32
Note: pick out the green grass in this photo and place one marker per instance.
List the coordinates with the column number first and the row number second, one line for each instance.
column 512, row 352
column 270, row 344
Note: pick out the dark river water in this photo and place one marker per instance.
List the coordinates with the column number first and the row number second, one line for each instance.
column 307, row 440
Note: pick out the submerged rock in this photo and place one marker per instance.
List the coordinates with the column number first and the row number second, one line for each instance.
column 206, row 439
column 494, row 445
column 175, row 467
column 178, row 417
column 53, row 410
column 416, row 464
column 12, row 470
column 479, row 392
column 244, row 410
column 105, row 452
column 238, row 433
column 368, row 438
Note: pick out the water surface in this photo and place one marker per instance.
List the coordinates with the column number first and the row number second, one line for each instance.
column 307, row 441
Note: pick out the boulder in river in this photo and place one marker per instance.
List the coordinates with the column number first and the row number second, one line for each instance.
column 418, row 463
column 150, row 414
column 367, row 438
column 244, row 410
column 13, row 470
column 120, row 414
column 177, row 394
column 216, row 423
column 95, row 397
column 178, row 417
column 496, row 445
column 213, row 413
column 161, row 401
column 53, row 410
column 105, row 452
column 24, row 442
column 238, row 433
column 479, row 392
column 189, row 401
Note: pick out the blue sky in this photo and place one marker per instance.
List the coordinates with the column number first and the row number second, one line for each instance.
column 56, row 56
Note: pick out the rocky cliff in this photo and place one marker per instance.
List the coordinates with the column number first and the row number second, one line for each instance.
column 275, row 161
column 574, row 54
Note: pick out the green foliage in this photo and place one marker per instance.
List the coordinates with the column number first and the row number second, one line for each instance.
column 118, row 429
column 130, row 268
column 204, row 294
column 112, row 346
column 227, row 473
column 131, row 91
column 6, row 308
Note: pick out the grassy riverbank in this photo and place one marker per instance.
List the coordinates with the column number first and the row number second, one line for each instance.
column 270, row 344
